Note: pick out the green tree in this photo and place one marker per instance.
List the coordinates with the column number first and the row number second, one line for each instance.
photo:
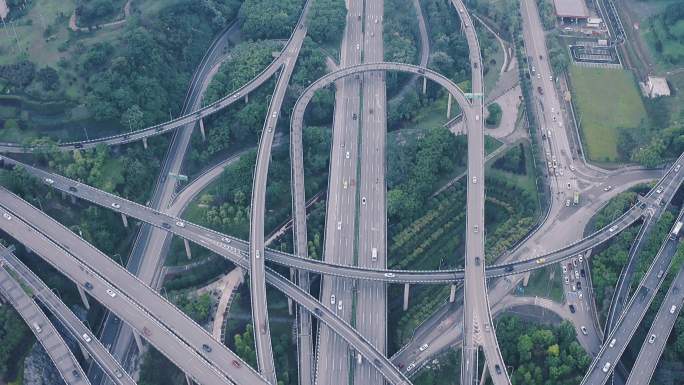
column 326, row 20
column 132, row 118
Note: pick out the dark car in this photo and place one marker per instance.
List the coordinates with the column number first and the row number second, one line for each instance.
column 206, row 348
column 497, row 368
column 354, row 116
column 73, row 189
column 166, row 225
column 477, row 261
column 579, row 285
column 582, row 273
column 78, row 145
column 318, row 312
column 88, row 285
column 377, row 362
column 508, row 269
column 572, row 308
column 76, row 374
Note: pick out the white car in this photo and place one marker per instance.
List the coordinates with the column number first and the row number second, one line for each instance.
column 49, row 181
column 180, row 224
column 7, row 216
column 225, row 239
column 584, row 330
column 576, row 274
column 673, row 308
column 476, row 229
column 565, row 269
column 474, row 179
column 339, row 225
column 256, row 254
column 389, row 275
column 332, row 299
column 86, row 338
column 477, row 117
column 339, row 305
column 363, row 200
column 659, row 190
column 111, row 293
column 606, row 367
column 411, row 366
column 567, row 280
column 423, row 348
column 346, row 155
column 116, row 205
column 344, row 184
column 581, row 258
column 612, row 342
column 275, row 114
column 608, row 188
column 612, row 228
column 651, row 339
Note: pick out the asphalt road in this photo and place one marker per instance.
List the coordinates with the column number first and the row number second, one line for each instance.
column 333, row 354
column 66, row 317
column 44, row 233
column 604, row 363
column 236, row 250
column 257, row 282
column 662, row 325
column 58, row 351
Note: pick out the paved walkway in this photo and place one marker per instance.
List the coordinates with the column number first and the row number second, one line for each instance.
column 228, row 285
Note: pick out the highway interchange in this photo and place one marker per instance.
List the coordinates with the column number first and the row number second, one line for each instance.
column 357, row 182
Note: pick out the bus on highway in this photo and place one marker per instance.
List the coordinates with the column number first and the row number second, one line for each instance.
column 675, row 232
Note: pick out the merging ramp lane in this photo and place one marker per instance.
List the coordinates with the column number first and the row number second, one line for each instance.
column 616, row 342
column 67, row 318
column 42, row 328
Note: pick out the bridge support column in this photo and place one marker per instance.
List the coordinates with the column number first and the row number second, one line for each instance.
column 188, row 379
column 204, row 135
column 484, row 373
column 73, row 199
column 145, row 143
column 293, row 274
column 424, row 85
column 406, row 296
column 452, row 294
column 138, row 341
column 187, row 248
column 64, row 195
column 246, row 98
column 124, row 219
column 85, row 353
column 449, row 107
column 84, row 298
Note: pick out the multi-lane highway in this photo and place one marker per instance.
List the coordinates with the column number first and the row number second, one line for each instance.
column 42, row 328
column 662, row 325
column 66, row 317
column 333, row 355
column 119, row 290
column 54, row 239
column 616, row 342
column 236, row 250
column 257, row 283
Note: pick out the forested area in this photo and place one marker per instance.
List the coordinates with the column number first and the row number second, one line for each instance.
column 666, row 34
column 326, row 20
column 92, row 12
column 269, row 19
column 541, row 354
column 448, row 47
column 16, row 340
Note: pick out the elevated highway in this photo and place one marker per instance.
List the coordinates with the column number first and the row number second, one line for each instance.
column 78, row 260
column 42, row 328
column 67, row 318
column 50, row 239
column 257, row 283
column 616, row 342
column 237, row 250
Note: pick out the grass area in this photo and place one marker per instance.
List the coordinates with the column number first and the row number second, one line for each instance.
column 492, row 56
column 546, row 282
column 605, row 100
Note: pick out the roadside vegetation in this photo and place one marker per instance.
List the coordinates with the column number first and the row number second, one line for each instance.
column 107, row 80
column 541, row 354
column 665, row 34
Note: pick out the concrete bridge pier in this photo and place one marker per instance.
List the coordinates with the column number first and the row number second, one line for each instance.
column 138, row 341
column 84, row 298
column 188, row 379
column 85, row 353
column 449, row 107
column 187, row 248
column 124, row 219
column 145, row 143
column 73, row 199
column 452, row 294
column 246, row 98
column 201, row 125
column 406, row 295
column 293, row 274
column 64, row 195
column 484, row 373
column 424, row 85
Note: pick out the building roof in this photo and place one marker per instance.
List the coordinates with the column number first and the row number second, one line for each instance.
column 571, row 8
column 658, row 86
